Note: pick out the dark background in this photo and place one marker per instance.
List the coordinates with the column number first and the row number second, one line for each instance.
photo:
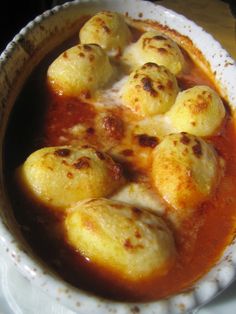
column 16, row 14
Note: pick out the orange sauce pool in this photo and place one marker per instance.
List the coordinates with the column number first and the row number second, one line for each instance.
column 201, row 240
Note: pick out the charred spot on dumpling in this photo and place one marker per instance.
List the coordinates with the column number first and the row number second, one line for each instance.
column 145, row 140
column 63, row 152
column 198, row 110
column 185, row 171
column 119, row 237
column 184, row 139
column 156, row 47
column 82, row 163
column 84, row 69
column 60, row 176
column 148, row 86
column 151, row 89
column 197, row 148
column 107, row 29
column 113, row 126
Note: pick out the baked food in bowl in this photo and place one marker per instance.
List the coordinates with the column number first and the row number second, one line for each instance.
column 124, row 149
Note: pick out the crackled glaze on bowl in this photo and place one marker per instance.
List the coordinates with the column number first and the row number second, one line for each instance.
column 17, row 62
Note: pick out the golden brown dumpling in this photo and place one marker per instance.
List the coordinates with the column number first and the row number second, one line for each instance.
column 124, row 239
column 151, row 89
column 198, row 110
column 80, row 71
column 60, row 176
column 108, row 30
column 185, row 170
column 156, row 47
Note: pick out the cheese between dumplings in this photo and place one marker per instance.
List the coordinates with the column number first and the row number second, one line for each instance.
column 140, row 195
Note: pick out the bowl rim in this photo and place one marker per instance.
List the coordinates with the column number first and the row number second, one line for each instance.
column 82, row 300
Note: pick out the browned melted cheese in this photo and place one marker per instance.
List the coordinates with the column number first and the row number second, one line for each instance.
column 201, row 239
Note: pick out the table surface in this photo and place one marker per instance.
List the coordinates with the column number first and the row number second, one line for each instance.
column 17, row 295
column 215, row 16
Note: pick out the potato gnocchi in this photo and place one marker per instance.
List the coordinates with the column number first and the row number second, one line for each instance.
column 80, row 71
column 108, row 30
column 61, row 176
column 156, row 47
column 198, row 110
column 150, row 90
column 125, row 239
column 185, row 171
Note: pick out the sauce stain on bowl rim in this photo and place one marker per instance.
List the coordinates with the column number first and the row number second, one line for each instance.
column 29, row 45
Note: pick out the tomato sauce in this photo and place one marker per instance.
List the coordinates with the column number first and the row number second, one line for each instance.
column 63, row 113
column 41, row 118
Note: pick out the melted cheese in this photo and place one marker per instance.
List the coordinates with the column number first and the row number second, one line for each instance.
column 142, row 196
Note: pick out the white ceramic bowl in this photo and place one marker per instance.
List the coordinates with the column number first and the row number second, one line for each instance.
column 16, row 63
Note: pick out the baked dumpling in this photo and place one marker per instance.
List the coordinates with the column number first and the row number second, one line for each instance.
column 156, row 47
column 124, row 239
column 108, row 30
column 60, row 176
column 198, row 110
column 185, row 170
column 150, row 90
column 80, row 71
